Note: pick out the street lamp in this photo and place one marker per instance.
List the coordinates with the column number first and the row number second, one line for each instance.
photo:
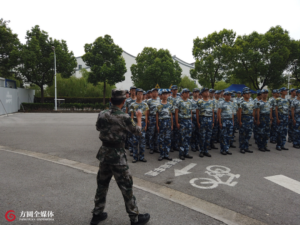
column 55, row 100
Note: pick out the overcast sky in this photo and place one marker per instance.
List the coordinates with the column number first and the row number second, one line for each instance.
column 137, row 24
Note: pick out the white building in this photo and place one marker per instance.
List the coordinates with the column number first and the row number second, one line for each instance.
column 129, row 60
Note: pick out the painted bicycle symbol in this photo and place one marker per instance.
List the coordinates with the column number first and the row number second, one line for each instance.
column 218, row 172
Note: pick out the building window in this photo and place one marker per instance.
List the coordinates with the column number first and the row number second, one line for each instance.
column 80, row 67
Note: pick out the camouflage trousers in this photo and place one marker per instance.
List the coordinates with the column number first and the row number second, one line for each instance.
column 147, row 137
column 139, row 143
column 291, row 131
column 186, row 129
column 226, row 134
column 245, row 131
column 124, row 180
column 153, row 137
column 296, row 140
column 273, row 134
column 175, row 135
column 282, row 128
column 164, row 137
column 263, row 130
column 216, row 130
column 195, row 134
column 205, row 132
column 130, row 140
column 236, row 125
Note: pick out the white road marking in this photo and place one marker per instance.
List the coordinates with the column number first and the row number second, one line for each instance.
column 217, row 212
column 184, row 170
column 163, row 167
column 286, row 182
column 217, row 172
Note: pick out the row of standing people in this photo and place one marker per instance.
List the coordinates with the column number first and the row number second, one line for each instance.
column 174, row 122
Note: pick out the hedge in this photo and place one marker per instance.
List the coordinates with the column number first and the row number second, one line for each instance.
column 50, row 106
column 72, row 100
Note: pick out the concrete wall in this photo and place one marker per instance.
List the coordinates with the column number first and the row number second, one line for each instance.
column 12, row 99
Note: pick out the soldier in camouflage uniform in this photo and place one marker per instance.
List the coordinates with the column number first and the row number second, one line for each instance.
column 291, row 126
column 196, row 132
column 183, row 114
column 124, row 110
column 226, row 122
column 264, row 120
column 128, row 102
column 282, row 118
column 113, row 125
column 255, row 128
column 205, row 123
column 295, row 107
column 153, row 137
column 216, row 129
column 173, row 99
column 164, row 124
column 246, row 121
column 272, row 101
column 149, row 96
column 139, row 141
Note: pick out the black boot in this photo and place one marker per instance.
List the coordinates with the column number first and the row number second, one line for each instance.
column 213, row 146
column 142, row 219
column 98, row 218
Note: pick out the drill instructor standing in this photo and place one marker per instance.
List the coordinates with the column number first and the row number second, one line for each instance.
column 113, row 125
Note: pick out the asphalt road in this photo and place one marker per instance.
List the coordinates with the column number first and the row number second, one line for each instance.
column 73, row 136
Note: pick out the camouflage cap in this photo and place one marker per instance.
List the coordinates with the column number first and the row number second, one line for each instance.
column 139, row 90
column 283, row 89
column 117, row 93
column 144, row 93
column 298, row 91
column 212, row 90
column 164, row 91
column 204, row 89
column 293, row 89
column 264, row 91
column 227, row 93
column 238, row 92
column 275, row 91
column 159, row 92
column 196, row 90
column 174, row 87
column 185, row 90
column 218, row 92
column 246, row 92
column 258, row 92
column 132, row 87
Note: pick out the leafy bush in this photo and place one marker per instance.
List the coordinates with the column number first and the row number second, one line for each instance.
column 50, row 106
column 37, row 106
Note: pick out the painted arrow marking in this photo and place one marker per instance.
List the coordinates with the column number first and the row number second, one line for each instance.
column 184, row 170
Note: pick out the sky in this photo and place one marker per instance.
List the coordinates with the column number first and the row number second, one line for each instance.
column 133, row 25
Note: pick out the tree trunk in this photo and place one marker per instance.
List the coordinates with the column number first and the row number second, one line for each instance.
column 104, row 90
column 42, row 94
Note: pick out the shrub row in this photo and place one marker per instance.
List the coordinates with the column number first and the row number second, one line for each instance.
column 72, row 100
column 50, row 106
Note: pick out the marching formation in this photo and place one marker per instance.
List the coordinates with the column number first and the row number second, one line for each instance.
column 173, row 121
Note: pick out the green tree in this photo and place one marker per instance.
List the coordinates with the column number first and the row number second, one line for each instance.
column 261, row 59
column 106, row 62
column 213, row 55
column 186, row 82
column 9, row 44
column 221, row 85
column 37, row 59
column 155, row 67
column 295, row 64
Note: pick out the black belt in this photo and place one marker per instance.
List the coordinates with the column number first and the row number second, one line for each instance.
column 113, row 145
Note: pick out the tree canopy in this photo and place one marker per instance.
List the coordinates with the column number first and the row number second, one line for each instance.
column 261, row 59
column 213, row 55
column 37, row 59
column 186, row 82
column 106, row 62
column 9, row 44
column 155, row 67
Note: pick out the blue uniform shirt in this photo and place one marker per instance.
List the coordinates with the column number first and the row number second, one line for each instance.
column 184, row 108
column 143, row 107
column 206, row 108
column 173, row 102
column 264, row 107
column 195, row 104
column 226, row 109
column 128, row 102
column 283, row 105
column 296, row 106
column 247, row 107
column 164, row 111
column 153, row 103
